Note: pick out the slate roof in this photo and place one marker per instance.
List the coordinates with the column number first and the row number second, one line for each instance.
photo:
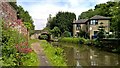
column 96, row 17
column 82, row 21
column 100, row 17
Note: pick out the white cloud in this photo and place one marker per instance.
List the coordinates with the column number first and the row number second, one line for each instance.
column 101, row 1
column 40, row 9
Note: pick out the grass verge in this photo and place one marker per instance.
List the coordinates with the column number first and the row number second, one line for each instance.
column 54, row 54
column 31, row 59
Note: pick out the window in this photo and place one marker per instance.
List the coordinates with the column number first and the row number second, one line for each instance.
column 94, row 22
column 78, row 26
column 95, row 32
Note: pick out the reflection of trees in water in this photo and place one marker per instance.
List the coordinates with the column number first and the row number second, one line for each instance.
column 69, row 51
column 89, row 56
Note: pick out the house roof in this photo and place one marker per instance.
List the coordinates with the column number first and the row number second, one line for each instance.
column 96, row 17
column 100, row 17
column 81, row 21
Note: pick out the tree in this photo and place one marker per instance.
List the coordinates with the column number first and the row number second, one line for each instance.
column 101, row 33
column 26, row 18
column 83, row 34
column 63, row 20
column 56, row 31
column 13, row 4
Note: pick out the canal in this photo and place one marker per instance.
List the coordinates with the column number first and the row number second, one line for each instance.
column 83, row 55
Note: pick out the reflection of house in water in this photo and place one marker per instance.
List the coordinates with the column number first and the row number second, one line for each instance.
column 84, row 56
column 103, row 59
column 93, row 57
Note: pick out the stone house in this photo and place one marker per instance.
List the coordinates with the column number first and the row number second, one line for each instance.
column 91, row 25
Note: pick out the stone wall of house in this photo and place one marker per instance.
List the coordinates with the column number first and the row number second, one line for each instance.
column 74, row 30
column 93, row 28
column 83, row 27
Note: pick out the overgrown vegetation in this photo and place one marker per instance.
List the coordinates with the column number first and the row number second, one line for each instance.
column 54, row 55
column 24, row 16
column 15, row 49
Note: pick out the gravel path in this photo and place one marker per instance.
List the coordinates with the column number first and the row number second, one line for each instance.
column 40, row 52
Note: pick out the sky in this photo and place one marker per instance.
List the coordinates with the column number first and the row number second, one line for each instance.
column 39, row 10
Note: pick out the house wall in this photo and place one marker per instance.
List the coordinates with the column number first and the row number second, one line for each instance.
column 74, row 30
column 95, row 27
column 83, row 27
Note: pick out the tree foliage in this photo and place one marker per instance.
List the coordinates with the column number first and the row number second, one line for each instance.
column 56, row 31
column 66, row 34
column 63, row 20
column 13, row 4
column 83, row 34
column 101, row 33
column 26, row 18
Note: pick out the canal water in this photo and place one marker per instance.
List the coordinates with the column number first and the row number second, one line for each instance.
column 83, row 55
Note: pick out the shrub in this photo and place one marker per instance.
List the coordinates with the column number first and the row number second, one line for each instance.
column 82, row 40
column 66, row 34
column 43, row 37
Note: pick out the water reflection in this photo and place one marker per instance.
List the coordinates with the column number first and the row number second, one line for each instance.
column 83, row 55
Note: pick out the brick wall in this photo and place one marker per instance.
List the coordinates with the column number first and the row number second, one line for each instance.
column 9, row 14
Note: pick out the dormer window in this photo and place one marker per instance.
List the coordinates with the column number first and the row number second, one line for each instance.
column 93, row 22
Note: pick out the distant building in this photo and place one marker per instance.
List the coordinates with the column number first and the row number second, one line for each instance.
column 90, row 26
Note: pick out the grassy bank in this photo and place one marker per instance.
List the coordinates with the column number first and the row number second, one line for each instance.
column 31, row 59
column 54, row 55
column 72, row 40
